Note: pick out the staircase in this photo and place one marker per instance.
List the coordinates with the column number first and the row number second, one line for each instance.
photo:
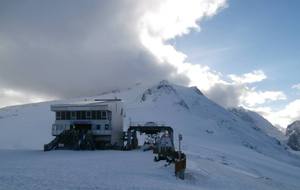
column 72, row 140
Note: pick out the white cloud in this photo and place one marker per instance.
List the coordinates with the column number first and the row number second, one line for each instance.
column 252, row 77
column 296, row 86
column 290, row 113
column 251, row 97
column 231, row 94
column 226, row 95
column 282, row 117
column 71, row 51
column 175, row 18
column 65, row 49
column 14, row 97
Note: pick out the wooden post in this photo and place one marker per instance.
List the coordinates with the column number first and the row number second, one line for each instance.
column 180, row 164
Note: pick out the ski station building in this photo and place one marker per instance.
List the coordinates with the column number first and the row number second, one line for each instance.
column 102, row 119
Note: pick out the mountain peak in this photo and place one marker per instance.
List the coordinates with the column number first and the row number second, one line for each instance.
column 163, row 87
column 196, row 89
column 165, row 93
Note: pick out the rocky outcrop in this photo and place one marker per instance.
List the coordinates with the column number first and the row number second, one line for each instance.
column 293, row 133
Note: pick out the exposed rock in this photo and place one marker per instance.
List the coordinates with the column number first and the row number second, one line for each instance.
column 293, row 133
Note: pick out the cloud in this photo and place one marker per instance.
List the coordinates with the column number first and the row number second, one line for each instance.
column 296, row 86
column 235, row 95
column 238, row 91
column 252, row 98
column 252, row 77
column 175, row 18
column 226, row 95
column 282, row 117
column 290, row 113
column 12, row 97
column 65, row 49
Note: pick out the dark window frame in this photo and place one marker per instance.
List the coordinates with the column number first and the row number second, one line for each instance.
column 88, row 115
column 98, row 127
column 58, row 115
column 73, row 115
column 98, row 115
column 104, row 115
column 68, row 115
column 94, row 115
column 63, row 115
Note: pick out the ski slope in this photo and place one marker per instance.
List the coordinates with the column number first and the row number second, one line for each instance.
column 34, row 169
column 224, row 150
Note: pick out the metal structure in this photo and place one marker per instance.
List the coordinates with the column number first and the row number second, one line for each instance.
column 148, row 128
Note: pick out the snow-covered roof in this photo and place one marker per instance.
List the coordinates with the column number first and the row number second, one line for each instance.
column 85, row 103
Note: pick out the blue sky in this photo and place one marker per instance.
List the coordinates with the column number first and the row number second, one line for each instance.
column 250, row 35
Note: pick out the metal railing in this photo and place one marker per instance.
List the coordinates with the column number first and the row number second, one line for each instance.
column 147, row 123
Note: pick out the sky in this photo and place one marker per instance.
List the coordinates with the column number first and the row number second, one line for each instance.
column 238, row 53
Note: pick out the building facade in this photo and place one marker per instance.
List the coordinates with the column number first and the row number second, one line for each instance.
column 102, row 118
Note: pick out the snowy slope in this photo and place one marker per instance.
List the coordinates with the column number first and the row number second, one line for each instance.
column 258, row 122
column 224, row 150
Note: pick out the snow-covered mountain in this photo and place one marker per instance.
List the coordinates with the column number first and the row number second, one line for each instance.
column 293, row 127
column 226, row 148
column 293, row 134
column 258, row 122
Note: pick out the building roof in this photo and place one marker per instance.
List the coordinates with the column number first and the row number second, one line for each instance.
column 92, row 103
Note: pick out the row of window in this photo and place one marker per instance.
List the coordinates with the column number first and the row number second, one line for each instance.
column 97, row 127
column 83, row 115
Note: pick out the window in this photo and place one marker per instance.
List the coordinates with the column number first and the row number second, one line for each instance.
column 106, row 127
column 98, row 127
column 78, row 115
column 83, row 115
column 63, row 115
column 88, row 115
column 104, row 115
column 58, row 116
column 73, row 115
column 98, row 115
column 109, row 115
column 68, row 115
column 94, row 115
